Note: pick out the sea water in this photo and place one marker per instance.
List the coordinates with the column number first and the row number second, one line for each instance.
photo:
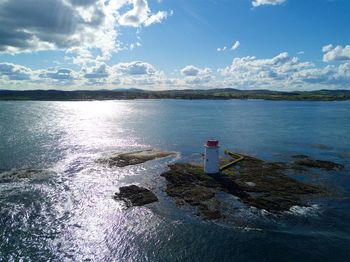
column 67, row 211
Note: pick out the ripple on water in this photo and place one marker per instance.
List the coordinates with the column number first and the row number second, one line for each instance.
column 71, row 216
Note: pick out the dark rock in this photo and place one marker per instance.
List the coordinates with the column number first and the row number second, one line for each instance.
column 210, row 209
column 133, row 158
column 136, row 196
column 211, row 214
column 193, row 195
column 188, row 184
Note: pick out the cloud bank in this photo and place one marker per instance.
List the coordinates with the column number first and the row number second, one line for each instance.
column 284, row 72
column 75, row 26
column 337, row 53
column 280, row 72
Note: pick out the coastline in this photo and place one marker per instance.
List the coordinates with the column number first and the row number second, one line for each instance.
column 211, row 94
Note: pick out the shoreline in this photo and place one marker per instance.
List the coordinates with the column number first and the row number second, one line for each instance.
column 210, row 94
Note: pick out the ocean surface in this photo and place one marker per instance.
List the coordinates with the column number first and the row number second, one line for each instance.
column 66, row 212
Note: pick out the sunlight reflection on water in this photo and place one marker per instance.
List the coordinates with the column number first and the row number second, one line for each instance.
column 96, row 125
column 72, row 215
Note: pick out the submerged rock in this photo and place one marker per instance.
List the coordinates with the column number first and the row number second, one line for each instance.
column 136, row 196
column 17, row 175
column 255, row 182
column 322, row 146
column 306, row 161
column 133, row 158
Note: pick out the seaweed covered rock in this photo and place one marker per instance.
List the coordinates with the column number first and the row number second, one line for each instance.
column 187, row 183
column 255, row 182
column 268, row 177
column 133, row 158
column 136, row 196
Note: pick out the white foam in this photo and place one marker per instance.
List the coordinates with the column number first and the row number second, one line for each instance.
column 304, row 210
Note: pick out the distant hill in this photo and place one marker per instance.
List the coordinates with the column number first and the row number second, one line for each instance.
column 134, row 93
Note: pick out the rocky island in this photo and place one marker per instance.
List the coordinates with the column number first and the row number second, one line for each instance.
column 255, row 182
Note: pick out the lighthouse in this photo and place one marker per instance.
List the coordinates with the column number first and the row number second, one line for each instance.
column 211, row 157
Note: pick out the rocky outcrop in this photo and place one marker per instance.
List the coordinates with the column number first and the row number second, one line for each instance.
column 135, row 196
column 255, row 182
column 133, row 158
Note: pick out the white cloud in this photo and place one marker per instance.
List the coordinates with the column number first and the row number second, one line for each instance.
column 157, row 18
column 221, row 49
column 251, row 72
column 141, row 14
column 199, row 80
column 55, row 24
column 58, row 73
column 97, row 71
column 190, row 70
column 337, row 53
column 336, row 76
column 327, row 48
column 85, row 29
column 283, row 72
column 134, row 68
column 11, row 71
column 196, row 76
column 130, row 74
column 235, row 45
column 257, row 3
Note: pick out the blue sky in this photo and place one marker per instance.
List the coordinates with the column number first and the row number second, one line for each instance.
column 175, row 44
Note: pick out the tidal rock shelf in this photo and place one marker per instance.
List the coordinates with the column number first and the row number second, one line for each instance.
column 133, row 158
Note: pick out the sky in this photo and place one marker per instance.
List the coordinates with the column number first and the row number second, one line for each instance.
column 175, row 44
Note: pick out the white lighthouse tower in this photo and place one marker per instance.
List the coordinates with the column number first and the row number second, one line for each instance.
column 211, row 157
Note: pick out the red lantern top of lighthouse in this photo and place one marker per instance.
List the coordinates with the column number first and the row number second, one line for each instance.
column 212, row 143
